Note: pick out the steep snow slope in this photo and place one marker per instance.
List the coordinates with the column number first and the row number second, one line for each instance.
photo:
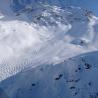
column 37, row 34
column 73, row 78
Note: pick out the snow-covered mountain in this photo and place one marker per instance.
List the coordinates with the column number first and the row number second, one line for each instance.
column 47, row 49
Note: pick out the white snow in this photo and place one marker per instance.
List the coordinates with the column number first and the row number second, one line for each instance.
column 47, row 40
column 46, row 37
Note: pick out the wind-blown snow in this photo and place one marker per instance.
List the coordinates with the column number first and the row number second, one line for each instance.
column 43, row 35
column 47, row 50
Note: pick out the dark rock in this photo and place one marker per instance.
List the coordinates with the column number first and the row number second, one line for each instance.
column 72, row 87
column 77, row 80
column 87, row 66
column 89, row 83
column 59, row 77
column 33, row 84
